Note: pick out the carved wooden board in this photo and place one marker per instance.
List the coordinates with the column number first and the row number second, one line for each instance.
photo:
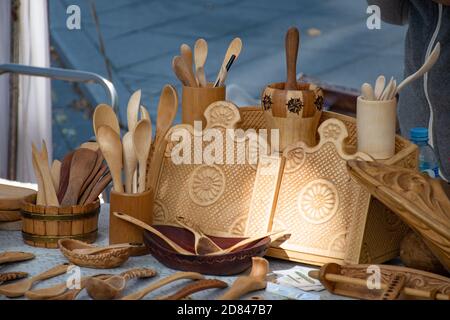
column 218, row 197
column 317, row 201
column 417, row 199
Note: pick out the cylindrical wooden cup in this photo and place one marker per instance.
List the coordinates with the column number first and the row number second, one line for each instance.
column 375, row 124
column 43, row 226
column 295, row 113
column 195, row 100
column 137, row 205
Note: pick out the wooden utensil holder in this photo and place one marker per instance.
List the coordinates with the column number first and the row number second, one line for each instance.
column 137, row 205
column 376, row 122
column 195, row 100
column 43, row 226
column 295, row 113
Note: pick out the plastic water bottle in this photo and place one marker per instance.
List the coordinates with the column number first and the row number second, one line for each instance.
column 427, row 158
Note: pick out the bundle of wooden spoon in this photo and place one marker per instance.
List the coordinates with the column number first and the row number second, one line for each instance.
column 131, row 153
column 76, row 180
column 390, row 91
column 193, row 74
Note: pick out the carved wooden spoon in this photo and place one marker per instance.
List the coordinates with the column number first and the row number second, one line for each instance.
column 253, row 282
column 234, row 48
column 104, row 116
column 167, row 111
column 107, row 289
column 9, row 276
column 156, row 285
column 142, row 141
column 15, row 256
column 133, row 110
column 200, row 55
column 186, row 54
column 274, row 236
column 182, row 72
column 203, row 244
column 97, row 250
column 18, row 289
column 145, row 226
column 111, row 147
column 129, row 161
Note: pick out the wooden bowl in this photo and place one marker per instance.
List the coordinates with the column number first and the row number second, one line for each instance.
column 107, row 259
column 223, row 265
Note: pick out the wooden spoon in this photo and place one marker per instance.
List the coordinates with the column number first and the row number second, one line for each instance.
column 144, row 113
column 40, row 198
column 145, row 226
column 90, row 145
column 83, row 162
column 142, row 141
column 133, row 110
column 156, row 285
column 367, row 92
column 90, row 181
column 234, row 48
column 253, row 282
column 274, row 236
column 97, row 250
column 107, row 289
column 129, row 161
column 167, row 111
column 182, row 72
column 65, row 174
column 41, row 159
column 203, row 244
column 429, row 63
column 104, row 116
column 15, row 256
column 291, row 42
column 186, row 54
column 55, row 171
column 387, row 89
column 200, row 55
column 18, row 289
column 379, row 86
column 10, row 276
column 111, row 147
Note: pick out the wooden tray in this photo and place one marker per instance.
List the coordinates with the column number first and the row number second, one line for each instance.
column 350, row 226
column 218, row 197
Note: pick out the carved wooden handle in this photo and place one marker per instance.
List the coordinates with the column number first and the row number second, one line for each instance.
column 242, row 286
column 197, row 286
column 138, row 273
column 177, row 276
column 8, row 276
column 53, row 272
column 13, row 256
column 292, row 42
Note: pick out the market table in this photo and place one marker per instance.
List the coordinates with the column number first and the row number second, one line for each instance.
column 47, row 258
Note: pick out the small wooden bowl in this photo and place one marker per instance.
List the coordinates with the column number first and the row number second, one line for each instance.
column 224, row 264
column 111, row 258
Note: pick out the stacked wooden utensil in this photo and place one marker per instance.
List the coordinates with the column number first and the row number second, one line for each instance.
column 183, row 64
column 132, row 152
column 76, row 180
column 10, row 203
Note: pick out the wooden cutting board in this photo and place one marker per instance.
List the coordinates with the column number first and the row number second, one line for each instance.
column 11, row 197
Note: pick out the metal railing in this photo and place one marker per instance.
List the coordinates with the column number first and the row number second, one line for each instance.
column 57, row 74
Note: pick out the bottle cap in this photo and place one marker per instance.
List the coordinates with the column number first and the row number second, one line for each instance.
column 418, row 134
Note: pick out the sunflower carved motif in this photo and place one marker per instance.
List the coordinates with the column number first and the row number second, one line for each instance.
column 159, row 213
column 294, row 105
column 206, row 185
column 223, row 115
column 295, row 158
column 318, row 201
column 332, row 131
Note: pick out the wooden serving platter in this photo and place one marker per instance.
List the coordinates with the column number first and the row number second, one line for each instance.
column 11, row 197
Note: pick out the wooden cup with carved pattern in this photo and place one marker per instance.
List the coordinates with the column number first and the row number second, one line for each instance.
column 195, row 100
column 295, row 113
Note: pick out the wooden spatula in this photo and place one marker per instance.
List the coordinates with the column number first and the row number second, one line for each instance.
column 41, row 159
column 55, row 170
column 98, row 165
column 291, row 42
column 103, row 170
column 83, row 162
column 64, row 176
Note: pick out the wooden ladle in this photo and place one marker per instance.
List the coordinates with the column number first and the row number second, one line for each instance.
column 104, row 116
column 253, row 282
column 142, row 141
column 167, row 111
column 111, row 147
column 156, row 285
column 107, row 289
column 203, row 244
column 18, row 289
column 145, row 226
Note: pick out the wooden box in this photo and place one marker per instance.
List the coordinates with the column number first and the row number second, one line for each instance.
column 331, row 217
